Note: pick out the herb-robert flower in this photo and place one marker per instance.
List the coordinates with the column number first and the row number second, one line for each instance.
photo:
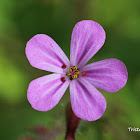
column 83, row 80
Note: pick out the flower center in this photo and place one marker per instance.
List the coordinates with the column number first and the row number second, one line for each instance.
column 73, row 72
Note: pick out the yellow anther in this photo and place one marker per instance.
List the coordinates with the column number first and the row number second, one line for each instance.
column 77, row 71
column 70, row 69
column 74, row 67
column 74, row 76
column 73, row 72
column 68, row 73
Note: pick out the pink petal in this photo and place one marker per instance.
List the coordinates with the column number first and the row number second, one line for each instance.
column 45, row 92
column 87, row 38
column 44, row 53
column 109, row 75
column 87, row 102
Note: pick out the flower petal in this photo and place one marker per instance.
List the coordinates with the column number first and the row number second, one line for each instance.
column 109, row 75
column 87, row 38
column 45, row 92
column 87, row 102
column 44, row 53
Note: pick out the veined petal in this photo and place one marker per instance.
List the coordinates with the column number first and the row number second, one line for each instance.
column 45, row 92
column 109, row 75
column 87, row 102
column 44, row 53
column 87, row 38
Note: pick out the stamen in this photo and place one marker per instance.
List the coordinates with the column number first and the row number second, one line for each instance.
column 84, row 73
column 68, row 73
column 64, row 66
column 74, row 76
column 73, row 72
column 74, row 67
column 77, row 71
column 63, row 79
column 70, row 69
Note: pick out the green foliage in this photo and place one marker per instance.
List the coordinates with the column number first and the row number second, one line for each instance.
column 12, row 80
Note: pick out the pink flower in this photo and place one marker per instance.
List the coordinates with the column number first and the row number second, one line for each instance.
column 87, row 102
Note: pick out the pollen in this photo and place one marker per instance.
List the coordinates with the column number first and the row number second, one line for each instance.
column 64, row 66
column 84, row 73
column 63, row 79
column 73, row 72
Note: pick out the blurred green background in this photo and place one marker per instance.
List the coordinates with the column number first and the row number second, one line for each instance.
column 20, row 20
